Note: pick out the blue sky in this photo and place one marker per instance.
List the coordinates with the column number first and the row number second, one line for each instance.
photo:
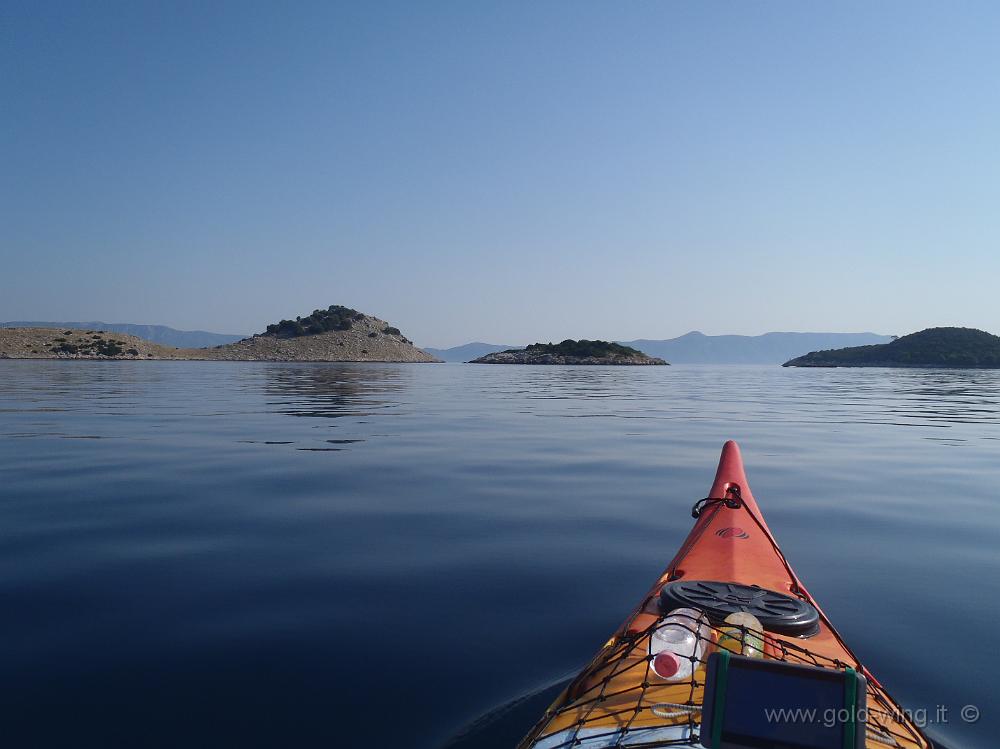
column 505, row 172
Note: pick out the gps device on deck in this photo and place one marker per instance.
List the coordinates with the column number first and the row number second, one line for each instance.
column 766, row 704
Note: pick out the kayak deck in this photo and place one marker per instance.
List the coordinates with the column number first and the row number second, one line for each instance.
column 618, row 701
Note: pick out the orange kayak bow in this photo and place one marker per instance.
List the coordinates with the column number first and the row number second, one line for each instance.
column 729, row 562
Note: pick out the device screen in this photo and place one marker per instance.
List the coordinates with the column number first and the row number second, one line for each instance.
column 774, row 706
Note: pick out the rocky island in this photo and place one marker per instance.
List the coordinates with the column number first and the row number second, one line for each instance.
column 571, row 352
column 933, row 347
column 336, row 333
column 52, row 343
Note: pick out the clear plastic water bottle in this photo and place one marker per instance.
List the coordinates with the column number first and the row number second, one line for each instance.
column 742, row 635
column 679, row 643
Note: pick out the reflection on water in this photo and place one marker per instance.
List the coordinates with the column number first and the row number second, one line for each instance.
column 449, row 538
column 333, row 391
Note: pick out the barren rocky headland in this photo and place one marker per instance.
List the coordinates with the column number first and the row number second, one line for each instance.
column 335, row 334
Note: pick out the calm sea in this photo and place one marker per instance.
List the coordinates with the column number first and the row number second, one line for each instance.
column 239, row 554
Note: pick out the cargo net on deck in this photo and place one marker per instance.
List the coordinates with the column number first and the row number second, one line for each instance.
column 620, row 701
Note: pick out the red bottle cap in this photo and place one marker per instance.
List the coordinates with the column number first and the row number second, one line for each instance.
column 666, row 664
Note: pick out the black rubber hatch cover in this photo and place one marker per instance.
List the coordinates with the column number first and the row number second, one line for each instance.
column 777, row 612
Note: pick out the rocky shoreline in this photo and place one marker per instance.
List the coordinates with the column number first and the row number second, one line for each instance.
column 883, row 365
column 503, row 357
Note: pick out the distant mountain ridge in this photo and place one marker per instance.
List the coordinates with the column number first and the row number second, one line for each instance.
column 698, row 348
column 160, row 334
column 769, row 348
column 467, row 352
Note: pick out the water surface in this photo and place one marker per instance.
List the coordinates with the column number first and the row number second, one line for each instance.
column 248, row 554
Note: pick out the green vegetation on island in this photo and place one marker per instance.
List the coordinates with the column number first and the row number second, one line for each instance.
column 95, row 346
column 334, row 317
column 570, row 352
column 583, row 347
column 337, row 333
column 934, row 347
